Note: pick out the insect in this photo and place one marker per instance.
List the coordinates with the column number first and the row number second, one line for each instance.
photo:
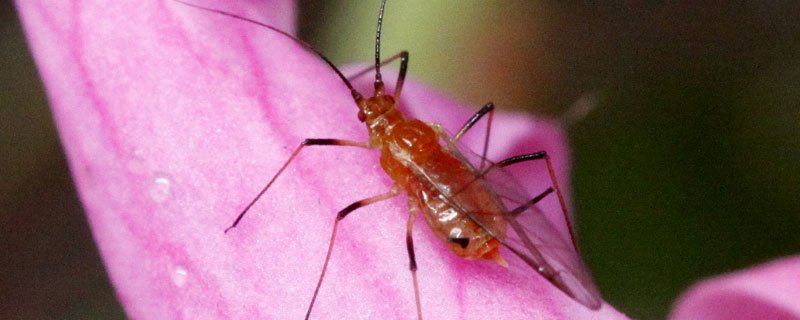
column 457, row 197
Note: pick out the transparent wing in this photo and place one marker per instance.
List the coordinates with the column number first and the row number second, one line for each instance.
column 536, row 241
column 503, row 183
column 529, row 235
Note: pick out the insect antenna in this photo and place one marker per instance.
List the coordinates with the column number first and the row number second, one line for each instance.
column 356, row 95
column 378, row 79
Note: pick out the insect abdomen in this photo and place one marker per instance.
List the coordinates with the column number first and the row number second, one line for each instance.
column 415, row 160
column 463, row 236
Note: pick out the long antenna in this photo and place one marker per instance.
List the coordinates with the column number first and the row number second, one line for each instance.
column 356, row 95
column 378, row 78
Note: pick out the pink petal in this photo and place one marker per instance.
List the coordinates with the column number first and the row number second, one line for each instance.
column 769, row 291
column 173, row 118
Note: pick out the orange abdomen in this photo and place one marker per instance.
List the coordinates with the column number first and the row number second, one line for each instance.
column 462, row 235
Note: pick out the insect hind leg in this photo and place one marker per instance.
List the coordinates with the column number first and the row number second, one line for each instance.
column 525, row 206
column 539, row 156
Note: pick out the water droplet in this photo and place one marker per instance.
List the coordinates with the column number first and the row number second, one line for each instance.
column 159, row 188
column 179, row 275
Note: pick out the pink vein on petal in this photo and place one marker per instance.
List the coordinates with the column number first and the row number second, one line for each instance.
column 76, row 48
column 246, row 274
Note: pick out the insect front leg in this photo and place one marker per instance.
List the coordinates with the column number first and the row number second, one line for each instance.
column 401, row 77
column 339, row 216
column 306, row 142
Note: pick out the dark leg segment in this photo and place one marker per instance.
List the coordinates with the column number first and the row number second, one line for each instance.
column 307, row 142
column 401, row 77
column 527, row 205
column 413, row 261
column 537, row 156
column 534, row 156
column 488, row 108
column 339, row 216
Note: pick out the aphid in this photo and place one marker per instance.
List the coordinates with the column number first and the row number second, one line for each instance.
column 457, row 198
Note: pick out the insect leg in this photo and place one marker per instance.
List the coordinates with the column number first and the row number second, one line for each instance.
column 339, row 216
column 404, row 61
column 401, row 77
column 527, row 205
column 538, row 156
column 413, row 260
column 306, row 142
column 488, row 108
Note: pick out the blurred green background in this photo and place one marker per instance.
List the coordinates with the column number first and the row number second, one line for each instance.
column 687, row 166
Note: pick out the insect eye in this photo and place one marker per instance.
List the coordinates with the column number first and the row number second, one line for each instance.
column 361, row 116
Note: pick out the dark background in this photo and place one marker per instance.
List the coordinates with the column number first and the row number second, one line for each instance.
column 687, row 167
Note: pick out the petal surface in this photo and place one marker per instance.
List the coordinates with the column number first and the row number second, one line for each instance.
column 172, row 120
column 768, row 291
